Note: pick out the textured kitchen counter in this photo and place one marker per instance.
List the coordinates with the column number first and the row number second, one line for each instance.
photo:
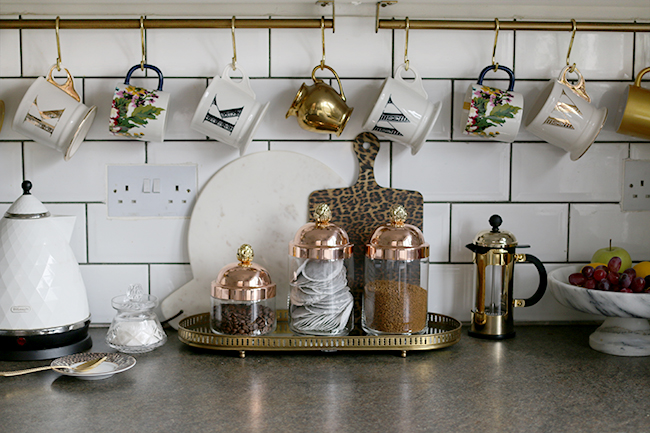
column 547, row 379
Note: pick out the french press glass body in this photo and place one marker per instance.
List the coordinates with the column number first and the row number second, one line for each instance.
column 494, row 260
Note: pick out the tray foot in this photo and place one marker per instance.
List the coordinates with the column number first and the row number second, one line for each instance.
column 622, row 337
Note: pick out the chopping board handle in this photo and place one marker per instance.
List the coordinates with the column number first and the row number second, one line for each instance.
column 366, row 146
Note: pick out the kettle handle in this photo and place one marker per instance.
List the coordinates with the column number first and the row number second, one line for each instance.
column 529, row 258
column 324, row 66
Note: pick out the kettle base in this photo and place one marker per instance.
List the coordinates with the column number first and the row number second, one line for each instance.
column 33, row 345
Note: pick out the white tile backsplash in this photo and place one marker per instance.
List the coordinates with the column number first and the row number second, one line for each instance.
column 83, row 177
column 10, row 171
column 461, row 173
column 542, row 226
column 597, row 55
column 104, row 282
column 155, row 240
column 593, row 225
column 543, row 172
column 563, row 209
column 10, row 49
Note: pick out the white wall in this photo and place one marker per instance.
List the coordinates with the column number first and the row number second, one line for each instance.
column 565, row 210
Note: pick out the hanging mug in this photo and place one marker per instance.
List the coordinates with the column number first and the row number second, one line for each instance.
column 53, row 114
column 492, row 113
column 228, row 111
column 403, row 112
column 635, row 111
column 138, row 112
column 564, row 116
column 320, row 108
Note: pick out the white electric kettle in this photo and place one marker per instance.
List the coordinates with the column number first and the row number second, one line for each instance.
column 44, row 310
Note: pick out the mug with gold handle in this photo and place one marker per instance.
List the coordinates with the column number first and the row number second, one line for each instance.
column 320, row 108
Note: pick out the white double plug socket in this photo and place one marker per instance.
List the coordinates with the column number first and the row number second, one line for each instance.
column 150, row 191
column 636, row 185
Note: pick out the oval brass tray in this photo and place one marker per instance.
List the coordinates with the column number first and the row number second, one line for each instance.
column 443, row 331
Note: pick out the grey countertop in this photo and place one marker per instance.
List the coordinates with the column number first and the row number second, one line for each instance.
column 547, row 379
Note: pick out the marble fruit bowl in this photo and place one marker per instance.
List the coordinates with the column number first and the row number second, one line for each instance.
column 626, row 330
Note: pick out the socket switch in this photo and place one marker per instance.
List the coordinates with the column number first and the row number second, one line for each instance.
column 636, row 185
column 151, row 191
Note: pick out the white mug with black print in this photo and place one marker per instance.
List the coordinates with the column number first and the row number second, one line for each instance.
column 228, row 111
column 403, row 112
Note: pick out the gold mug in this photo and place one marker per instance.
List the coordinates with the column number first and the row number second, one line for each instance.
column 635, row 120
column 320, row 108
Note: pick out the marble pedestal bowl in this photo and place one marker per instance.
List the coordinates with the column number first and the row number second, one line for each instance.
column 626, row 330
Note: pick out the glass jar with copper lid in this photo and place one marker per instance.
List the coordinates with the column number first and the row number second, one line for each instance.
column 320, row 257
column 243, row 298
column 396, row 278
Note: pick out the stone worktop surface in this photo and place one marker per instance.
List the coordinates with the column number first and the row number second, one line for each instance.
column 547, row 379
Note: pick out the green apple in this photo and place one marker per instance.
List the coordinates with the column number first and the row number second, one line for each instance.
column 604, row 254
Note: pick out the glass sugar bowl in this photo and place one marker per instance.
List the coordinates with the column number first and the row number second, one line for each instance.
column 135, row 328
column 321, row 266
column 243, row 298
column 396, row 278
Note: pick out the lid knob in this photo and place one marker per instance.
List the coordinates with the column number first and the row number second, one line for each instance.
column 397, row 215
column 245, row 255
column 495, row 221
column 26, row 186
column 322, row 215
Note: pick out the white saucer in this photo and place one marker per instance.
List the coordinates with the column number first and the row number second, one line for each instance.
column 115, row 363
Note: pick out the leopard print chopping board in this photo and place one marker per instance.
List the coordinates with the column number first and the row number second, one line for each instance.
column 364, row 206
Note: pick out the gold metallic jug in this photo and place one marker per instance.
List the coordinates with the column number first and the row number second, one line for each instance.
column 636, row 117
column 319, row 108
column 494, row 260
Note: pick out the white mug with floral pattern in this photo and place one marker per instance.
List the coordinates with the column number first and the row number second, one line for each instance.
column 138, row 112
column 492, row 113
column 403, row 112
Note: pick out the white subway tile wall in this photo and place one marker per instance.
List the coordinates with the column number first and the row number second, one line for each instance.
column 563, row 209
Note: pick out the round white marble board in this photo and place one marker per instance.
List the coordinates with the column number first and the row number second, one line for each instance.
column 260, row 199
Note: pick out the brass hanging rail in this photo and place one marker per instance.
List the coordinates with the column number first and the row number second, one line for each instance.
column 151, row 23
column 515, row 25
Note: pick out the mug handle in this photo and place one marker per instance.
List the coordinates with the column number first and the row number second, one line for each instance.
column 317, row 80
column 244, row 83
column 637, row 82
column 541, row 289
column 127, row 81
column 579, row 89
column 481, row 76
column 417, row 82
column 67, row 87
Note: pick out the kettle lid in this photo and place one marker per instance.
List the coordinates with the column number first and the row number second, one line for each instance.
column 27, row 206
column 495, row 238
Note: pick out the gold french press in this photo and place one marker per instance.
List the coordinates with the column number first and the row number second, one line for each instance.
column 494, row 260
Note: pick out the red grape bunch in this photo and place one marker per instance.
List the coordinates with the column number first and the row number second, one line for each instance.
column 608, row 279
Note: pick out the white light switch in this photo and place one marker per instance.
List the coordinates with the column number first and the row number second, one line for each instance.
column 146, row 185
column 156, row 186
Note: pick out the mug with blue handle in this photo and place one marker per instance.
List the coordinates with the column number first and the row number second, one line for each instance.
column 138, row 112
column 492, row 113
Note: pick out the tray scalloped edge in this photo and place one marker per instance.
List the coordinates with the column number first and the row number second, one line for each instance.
column 443, row 331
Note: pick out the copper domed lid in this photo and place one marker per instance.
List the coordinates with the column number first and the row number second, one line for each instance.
column 397, row 240
column 321, row 239
column 243, row 281
column 495, row 238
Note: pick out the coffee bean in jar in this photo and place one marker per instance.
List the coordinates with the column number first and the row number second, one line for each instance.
column 243, row 298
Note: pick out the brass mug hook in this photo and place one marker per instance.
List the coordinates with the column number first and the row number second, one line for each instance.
column 568, row 54
column 322, row 35
column 406, row 43
column 234, row 46
column 58, row 45
column 494, row 49
column 144, row 53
